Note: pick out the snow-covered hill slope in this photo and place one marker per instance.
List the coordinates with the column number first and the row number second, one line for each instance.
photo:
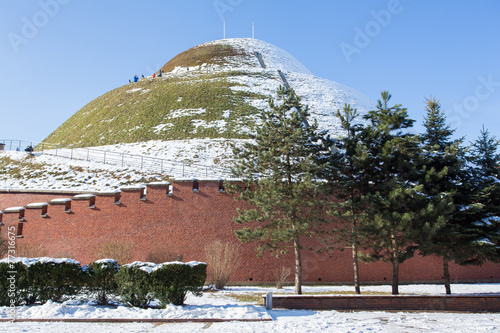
column 195, row 158
column 208, row 99
column 214, row 90
column 324, row 97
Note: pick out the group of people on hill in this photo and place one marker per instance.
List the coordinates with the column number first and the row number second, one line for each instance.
column 136, row 78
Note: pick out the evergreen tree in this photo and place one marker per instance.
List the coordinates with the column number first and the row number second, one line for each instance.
column 397, row 210
column 281, row 185
column 438, row 132
column 485, row 165
column 468, row 236
column 347, row 185
column 485, row 157
column 444, row 160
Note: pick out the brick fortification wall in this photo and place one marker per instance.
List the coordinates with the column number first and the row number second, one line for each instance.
column 183, row 221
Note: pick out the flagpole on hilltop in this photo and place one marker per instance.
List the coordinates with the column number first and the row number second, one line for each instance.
column 224, row 28
column 253, row 30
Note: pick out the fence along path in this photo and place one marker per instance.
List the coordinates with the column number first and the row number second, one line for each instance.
column 138, row 162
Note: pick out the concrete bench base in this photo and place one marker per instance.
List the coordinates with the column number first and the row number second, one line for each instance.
column 461, row 303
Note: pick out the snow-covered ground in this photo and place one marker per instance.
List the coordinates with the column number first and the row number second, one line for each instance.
column 223, row 305
column 195, row 158
column 49, row 172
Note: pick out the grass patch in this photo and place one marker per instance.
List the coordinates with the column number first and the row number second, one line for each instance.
column 151, row 110
column 206, row 54
column 245, row 297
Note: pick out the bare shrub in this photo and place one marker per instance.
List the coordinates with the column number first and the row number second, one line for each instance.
column 119, row 251
column 31, row 250
column 162, row 255
column 281, row 274
column 223, row 260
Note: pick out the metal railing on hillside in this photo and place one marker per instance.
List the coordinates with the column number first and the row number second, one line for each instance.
column 138, row 162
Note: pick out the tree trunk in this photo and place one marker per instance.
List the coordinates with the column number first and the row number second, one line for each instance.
column 395, row 266
column 446, row 275
column 354, row 233
column 355, row 266
column 298, row 267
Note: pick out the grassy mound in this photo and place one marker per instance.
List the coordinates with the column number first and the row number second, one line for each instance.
column 198, row 105
column 205, row 54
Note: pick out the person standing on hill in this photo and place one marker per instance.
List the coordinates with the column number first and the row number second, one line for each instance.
column 136, row 78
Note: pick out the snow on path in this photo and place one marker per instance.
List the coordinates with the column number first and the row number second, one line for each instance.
column 291, row 321
column 220, row 305
column 72, row 309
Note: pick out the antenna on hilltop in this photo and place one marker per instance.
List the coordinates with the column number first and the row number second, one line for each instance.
column 253, row 30
column 224, row 28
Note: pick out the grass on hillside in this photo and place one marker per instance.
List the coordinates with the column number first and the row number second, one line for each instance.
column 206, row 54
column 146, row 110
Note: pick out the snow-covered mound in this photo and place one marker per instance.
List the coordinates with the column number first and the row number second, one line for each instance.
column 207, row 100
column 323, row 97
column 215, row 90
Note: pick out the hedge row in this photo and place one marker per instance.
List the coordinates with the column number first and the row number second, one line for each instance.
column 27, row 281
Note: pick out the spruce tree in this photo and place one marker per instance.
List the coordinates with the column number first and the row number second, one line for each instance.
column 347, row 184
column 485, row 166
column 397, row 210
column 485, row 157
column 447, row 173
column 471, row 230
column 280, row 169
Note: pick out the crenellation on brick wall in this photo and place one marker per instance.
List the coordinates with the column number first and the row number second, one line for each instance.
column 135, row 191
column 201, row 184
column 115, row 196
column 43, row 206
column 158, row 190
column 174, row 217
column 86, row 197
column 16, row 210
column 66, row 202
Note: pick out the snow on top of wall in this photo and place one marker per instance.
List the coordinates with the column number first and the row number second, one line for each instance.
column 61, row 200
column 13, row 209
column 84, row 196
column 37, row 205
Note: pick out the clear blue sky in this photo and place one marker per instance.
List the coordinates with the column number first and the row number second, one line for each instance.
column 58, row 55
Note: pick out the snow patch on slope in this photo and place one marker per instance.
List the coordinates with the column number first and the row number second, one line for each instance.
column 274, row 57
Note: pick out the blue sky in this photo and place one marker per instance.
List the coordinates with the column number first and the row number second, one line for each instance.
column 58, row 55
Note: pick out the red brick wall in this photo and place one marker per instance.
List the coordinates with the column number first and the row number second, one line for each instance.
column 185, row 222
